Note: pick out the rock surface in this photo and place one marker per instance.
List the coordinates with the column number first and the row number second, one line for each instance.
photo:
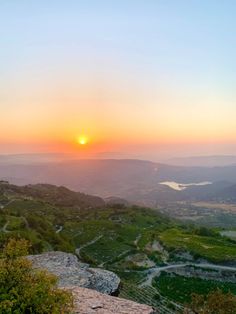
column 73, row 273
column 88, row 301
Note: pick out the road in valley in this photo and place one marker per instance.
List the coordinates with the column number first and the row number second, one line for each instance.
column 155, row 271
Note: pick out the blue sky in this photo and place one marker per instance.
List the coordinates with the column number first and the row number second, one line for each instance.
column 170, row 34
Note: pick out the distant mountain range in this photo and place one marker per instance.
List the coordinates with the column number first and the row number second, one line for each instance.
column 204, row 161
column 133, row 180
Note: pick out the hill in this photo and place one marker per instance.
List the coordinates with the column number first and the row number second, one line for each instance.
column 136, row 243
column 136, row 181
column 38, row 212
column 204, row 161
column 58, row 196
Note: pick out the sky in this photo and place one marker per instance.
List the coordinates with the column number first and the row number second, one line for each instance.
column 146, row 79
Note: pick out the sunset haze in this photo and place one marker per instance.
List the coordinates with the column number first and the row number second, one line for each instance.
column 137, row 79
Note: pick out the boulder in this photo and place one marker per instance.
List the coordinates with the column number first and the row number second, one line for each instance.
column 88, row 301
column 71, row 272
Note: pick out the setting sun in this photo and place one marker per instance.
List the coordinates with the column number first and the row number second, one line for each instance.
column 82, row 140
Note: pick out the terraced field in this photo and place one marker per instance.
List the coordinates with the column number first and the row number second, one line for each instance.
column 180, row 288
column 215, row 249
column 132, row 242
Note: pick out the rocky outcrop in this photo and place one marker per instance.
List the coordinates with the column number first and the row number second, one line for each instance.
column 88, row 301
column 90, row 286
column 73, row 273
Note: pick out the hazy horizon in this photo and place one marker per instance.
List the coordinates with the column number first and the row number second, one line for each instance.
column 55, row 157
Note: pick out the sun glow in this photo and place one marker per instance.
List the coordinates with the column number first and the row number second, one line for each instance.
column 82, row 140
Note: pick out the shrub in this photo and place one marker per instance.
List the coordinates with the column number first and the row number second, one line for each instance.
column 26, row 290
column 216, row 302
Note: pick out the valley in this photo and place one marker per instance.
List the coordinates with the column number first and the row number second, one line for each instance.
column 144, row 247
column 195, row 193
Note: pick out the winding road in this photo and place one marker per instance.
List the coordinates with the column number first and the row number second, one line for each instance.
column 77, row 251
column 155, row 271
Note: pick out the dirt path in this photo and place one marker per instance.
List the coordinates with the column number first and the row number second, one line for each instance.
column 4, row 228
column 77, row 251
column 59, row 229
column 4, row 206
column 137, row 239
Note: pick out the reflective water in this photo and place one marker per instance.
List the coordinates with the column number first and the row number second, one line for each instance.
column 181, row 186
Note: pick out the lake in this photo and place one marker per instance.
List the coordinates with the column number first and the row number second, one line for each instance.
column 182, row 186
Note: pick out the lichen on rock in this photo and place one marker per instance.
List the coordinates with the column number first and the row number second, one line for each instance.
column 71, row 272
column 88, row 301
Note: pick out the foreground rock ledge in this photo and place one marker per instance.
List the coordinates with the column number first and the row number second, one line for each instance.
column 73, row 273
column 89, row 301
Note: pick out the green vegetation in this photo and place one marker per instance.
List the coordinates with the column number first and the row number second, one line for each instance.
column 215, row 249
column 24, row 290
column 127, row 241
column 111, row 233
column 216, row 302
column 180, row 288
column 222, row 220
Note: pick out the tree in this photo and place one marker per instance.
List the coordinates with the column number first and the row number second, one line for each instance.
column 26, row 290
column 216, row 302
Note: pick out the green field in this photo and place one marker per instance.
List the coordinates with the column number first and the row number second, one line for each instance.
column 180, row 289
column 215, row 249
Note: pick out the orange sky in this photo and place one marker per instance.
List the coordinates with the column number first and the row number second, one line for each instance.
column 133, row 79
column 112, row 117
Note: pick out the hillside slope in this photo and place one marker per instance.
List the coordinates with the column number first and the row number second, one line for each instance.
column 138, row 244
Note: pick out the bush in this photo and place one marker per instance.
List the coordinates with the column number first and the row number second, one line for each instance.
column 205, row 232
column 216, row 302
column 26, row 290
